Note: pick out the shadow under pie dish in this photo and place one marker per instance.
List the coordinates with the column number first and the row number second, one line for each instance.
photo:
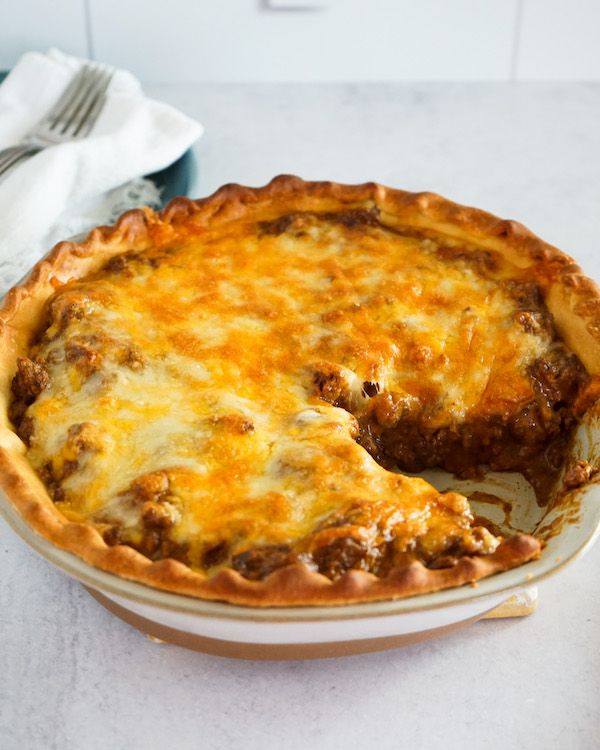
column 230, row 400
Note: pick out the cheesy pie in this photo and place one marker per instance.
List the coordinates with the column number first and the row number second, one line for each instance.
column 232, row 399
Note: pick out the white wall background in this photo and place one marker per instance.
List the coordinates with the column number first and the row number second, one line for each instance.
column 315, row 40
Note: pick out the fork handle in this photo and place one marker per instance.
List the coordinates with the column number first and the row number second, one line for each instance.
column 11, row 156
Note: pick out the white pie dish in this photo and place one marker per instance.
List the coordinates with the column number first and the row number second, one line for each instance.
column 312, row 632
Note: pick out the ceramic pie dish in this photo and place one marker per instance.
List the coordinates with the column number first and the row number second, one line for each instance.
column 214, row 416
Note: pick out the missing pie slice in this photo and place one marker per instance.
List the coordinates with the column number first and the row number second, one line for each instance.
column 222, row 400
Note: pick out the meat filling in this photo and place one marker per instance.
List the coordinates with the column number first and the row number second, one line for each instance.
column 532, row 440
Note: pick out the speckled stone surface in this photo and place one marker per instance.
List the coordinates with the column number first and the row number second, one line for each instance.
column 75, row 677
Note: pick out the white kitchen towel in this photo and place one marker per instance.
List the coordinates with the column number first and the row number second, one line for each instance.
column 69, row 188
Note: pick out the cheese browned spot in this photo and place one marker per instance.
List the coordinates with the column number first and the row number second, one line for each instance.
column 239, row 400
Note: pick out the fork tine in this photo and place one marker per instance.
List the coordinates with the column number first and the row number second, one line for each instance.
column 9, row 155
column 6, row 155
column 96, row 85
column 93, row 112
column 69, row 97
column 12, row 157
column 78, row 99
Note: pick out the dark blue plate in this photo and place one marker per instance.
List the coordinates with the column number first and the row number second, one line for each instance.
column 176, row 179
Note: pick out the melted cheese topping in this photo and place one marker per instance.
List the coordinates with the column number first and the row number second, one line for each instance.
column 203, row 361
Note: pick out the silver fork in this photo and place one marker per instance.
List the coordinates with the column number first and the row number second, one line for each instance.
column 71, row 118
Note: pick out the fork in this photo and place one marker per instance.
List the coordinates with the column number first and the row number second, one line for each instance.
column 71, row 118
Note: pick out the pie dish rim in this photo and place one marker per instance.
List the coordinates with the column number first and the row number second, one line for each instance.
column 506, row 582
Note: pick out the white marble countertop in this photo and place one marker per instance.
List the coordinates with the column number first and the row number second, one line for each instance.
column 74, row 676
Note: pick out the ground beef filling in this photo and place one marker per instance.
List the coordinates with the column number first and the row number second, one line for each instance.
column 363, row 537
column 29, row 381
column 531, row 440
column 149, row 497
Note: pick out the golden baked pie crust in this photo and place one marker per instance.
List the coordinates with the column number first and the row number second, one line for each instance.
column 573, row 300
